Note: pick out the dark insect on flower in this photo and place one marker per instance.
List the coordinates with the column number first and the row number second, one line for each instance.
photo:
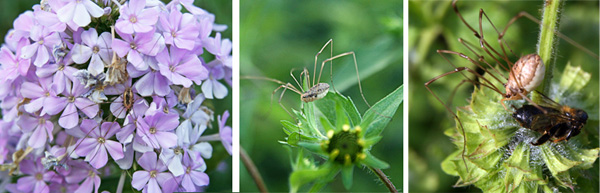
column 558, row 123
column 128, row 99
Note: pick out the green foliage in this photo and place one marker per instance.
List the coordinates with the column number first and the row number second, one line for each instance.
column 498, row 155
column 337, row 137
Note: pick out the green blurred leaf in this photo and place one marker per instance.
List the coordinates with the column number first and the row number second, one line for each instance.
column 378, row 116
column 347, row 172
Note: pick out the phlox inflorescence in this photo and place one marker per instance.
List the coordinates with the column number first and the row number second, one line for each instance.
column 88, row 87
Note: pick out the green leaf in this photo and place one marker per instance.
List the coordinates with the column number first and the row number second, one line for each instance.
column 556, row 162
column 573, row 79
column 326, row 124
column 313, row 147
column 378, row 116
column 304, row 176
column 289, row 127
column 341, row 118
column 327, row 106
column 347, row 172
column 372, row 161
column 293, row 139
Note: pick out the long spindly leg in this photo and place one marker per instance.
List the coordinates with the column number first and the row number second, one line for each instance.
column 285, row 87
column 487, row 83
column 462, row 130
column 482, row 42
column 296, row 80
column 355, row 68
column 480, row 58
column 316, row 58
column 558, row 33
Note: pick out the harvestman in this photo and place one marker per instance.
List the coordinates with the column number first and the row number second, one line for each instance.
column 317, row 90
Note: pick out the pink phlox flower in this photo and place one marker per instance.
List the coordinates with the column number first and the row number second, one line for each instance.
column 166, row 103
column 42, row 97
column 43, row 42
column 225, row 132
column 153, row 83
column 197, row 114
column 198, row 150
column 193, row 177
column 149, row 44
column 174, row 156
column 153, row 176
column 73, row 101
column 200, row 117
column 10, row 106
column 96, row 145
column 96, row 47
column 220, row 48
column 84, row 172
column 37, row 177
column 48, row 19
column 13, row 66
column 79, row 11
column 212, row 88
column 23, row 25
column 158, row 125
column 135, row 18
column 61, row 73
column 181, row 67
column 180, row 30
column 127, row 161
column 188, row 4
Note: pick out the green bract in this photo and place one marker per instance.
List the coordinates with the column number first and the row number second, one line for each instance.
column 498, row 153
column 333, row 129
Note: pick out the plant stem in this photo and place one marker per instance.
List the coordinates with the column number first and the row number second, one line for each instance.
column 384, row 179
column 253, row 170
column 547, row 41
column 121, row 182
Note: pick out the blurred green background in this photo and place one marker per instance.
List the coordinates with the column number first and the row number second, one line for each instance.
column 434, row 25
column 277, row 36
column 219, row 169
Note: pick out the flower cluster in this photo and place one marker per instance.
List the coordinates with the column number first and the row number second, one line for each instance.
column 90, row 84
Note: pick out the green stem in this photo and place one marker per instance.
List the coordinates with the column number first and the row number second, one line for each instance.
column 121, row 182
column 384, row 179
column 245, row 158
column 547, row 42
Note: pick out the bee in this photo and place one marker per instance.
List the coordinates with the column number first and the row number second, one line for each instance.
column 558, row 123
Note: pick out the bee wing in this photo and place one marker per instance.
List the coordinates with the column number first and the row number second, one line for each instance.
column 541, row 122
column 548, row 102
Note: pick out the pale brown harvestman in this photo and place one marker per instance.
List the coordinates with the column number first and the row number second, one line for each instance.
column 316, row 90
column 524, row 75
